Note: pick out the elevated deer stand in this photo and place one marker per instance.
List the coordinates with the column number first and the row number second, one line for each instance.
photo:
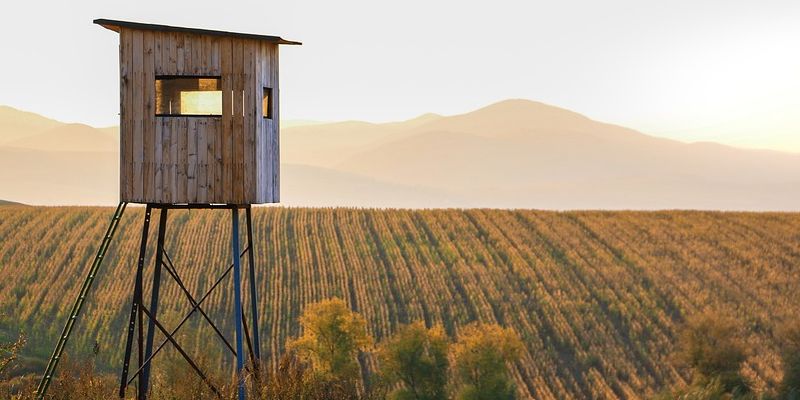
column 199, row 129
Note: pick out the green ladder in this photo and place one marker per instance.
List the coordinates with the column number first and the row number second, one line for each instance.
column 41, row 390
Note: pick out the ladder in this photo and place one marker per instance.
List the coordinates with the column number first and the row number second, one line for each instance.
column 41, row 390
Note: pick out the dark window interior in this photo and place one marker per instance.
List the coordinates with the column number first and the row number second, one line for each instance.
column 266, row 103
column 188, row 96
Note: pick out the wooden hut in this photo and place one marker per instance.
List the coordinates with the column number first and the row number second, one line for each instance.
column 198, row 115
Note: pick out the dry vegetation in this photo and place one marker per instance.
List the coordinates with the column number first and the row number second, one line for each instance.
column 597, row 298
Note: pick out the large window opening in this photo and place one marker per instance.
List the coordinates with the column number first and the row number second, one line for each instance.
column 188, row 96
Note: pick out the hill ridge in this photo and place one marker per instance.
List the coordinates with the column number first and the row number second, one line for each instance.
column 510, row 154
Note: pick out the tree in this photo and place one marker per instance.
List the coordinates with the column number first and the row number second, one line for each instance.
column 789, row 337
column 9, row 352
column 710, row 344
column 417, row 358
column 332, row 337
column 481, row 355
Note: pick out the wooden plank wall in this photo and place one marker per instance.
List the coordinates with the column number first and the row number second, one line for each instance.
column 229, row 159
column 268, row 143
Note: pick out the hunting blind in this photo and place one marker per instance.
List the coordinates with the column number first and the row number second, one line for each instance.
column 199, row 128
column 198, row 115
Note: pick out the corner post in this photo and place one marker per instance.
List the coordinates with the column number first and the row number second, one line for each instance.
column 237, row 303
column 253, row 291
column 137, row 300
column 144, row 382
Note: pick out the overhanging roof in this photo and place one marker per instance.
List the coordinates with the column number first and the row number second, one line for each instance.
column 114, row 25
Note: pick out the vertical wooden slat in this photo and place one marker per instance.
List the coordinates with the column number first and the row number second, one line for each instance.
column 166, row 158
column 169, row 54
column 187, row 55
column 148, row 117
column 202, row 161
column 180, row 57
column 226, row 63
column 215, row 57
column 276, row 112
column 191, row 148
column 158, row 189
column 211, row 138
column 259, row 123
column 137, row 74
column 197, row 55
column 125, row 129
column 183, row 159
column 158, row 52
column 249, row 84
column 205, row 56
column 174, row 148
column 219, row 168
column 238, row 121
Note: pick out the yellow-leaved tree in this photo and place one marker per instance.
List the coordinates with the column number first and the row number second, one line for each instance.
column 481, row 357
column 417, row 358
column 332, row 337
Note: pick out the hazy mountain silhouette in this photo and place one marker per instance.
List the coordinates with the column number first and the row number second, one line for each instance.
column 515, row 153
column 16, row 124
column 520, row 153
column 39, row 177
column 70, row 137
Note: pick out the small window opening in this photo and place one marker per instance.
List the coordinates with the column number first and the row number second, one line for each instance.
column 266, row 103
column 188, row 96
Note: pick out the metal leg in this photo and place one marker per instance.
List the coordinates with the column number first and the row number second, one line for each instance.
column 162, row 225
column 237, row 307
column 253, row 296
column 247, row 337
column 137, row 301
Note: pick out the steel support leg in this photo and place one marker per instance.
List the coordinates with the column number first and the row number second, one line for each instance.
column 137, row 301
column 144, row 383
column 253, row 292
column 237, row 307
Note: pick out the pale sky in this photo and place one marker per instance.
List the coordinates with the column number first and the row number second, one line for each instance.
column 724, row 71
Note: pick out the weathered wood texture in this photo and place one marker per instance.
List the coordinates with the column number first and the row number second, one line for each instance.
column 232, row 158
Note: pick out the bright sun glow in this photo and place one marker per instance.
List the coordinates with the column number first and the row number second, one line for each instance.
column 201, row 102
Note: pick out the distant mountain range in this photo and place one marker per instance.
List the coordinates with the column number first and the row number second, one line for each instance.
column 511, row 154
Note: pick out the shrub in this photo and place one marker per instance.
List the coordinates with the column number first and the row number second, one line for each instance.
column 481, row 355
column 417, row 358
column 711, row 345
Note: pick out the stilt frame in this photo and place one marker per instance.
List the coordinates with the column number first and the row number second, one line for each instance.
column 139, row 312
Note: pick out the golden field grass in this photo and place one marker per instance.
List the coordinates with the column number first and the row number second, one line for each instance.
column 597, row 297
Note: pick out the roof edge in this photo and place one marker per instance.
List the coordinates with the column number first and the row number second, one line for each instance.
column 114, row 25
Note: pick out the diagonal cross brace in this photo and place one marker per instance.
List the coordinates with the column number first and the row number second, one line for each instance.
column 170, row 267
column 181, row 351
column 186, row 318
